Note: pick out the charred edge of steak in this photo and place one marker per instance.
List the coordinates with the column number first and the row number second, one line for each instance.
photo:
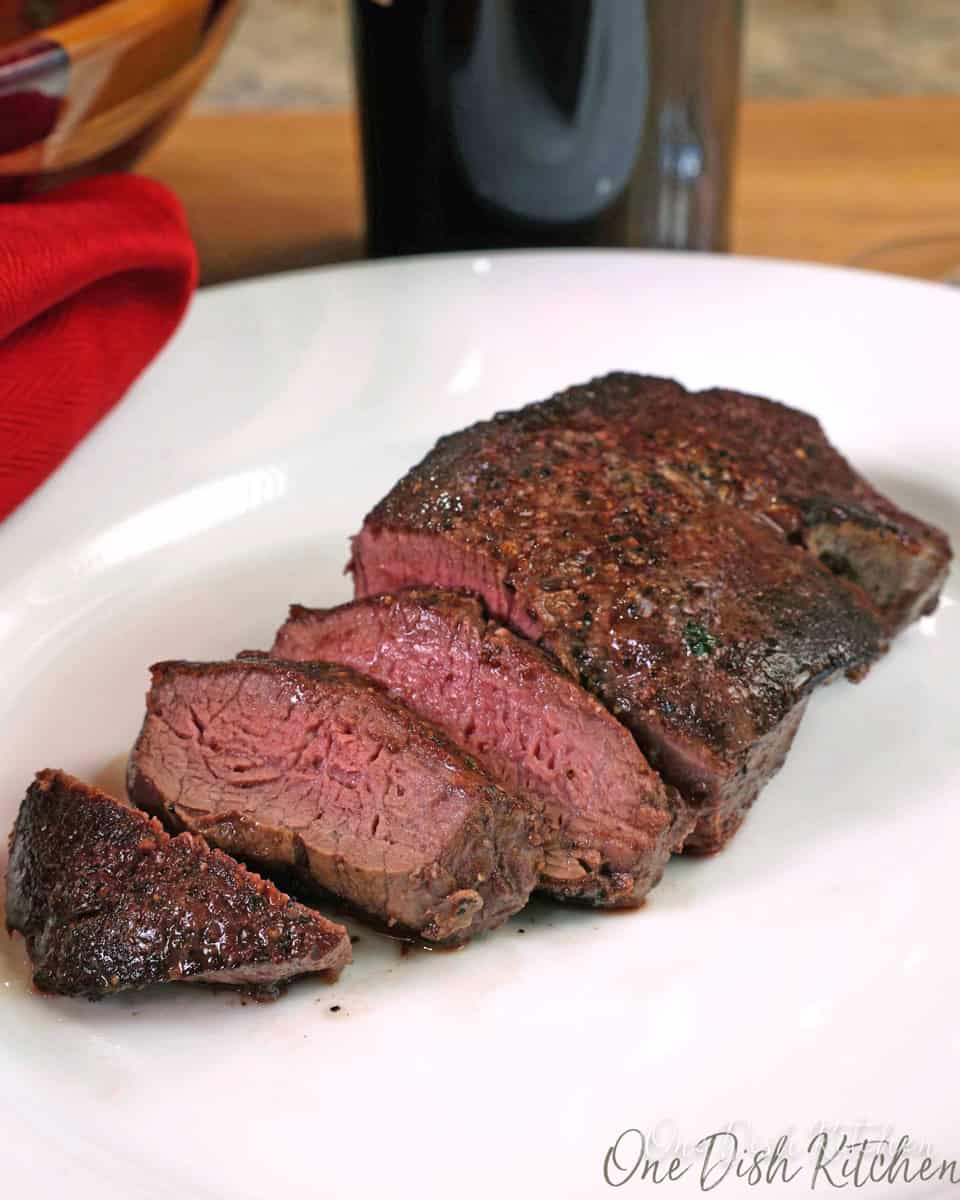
column 903, row 577
column 314, row 768
column 610, row 822
column 721, row 821
column 777, row 462
column 107, row 900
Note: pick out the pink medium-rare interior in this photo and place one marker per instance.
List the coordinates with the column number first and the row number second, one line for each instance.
column 534, row 730
column 384, row 561
column 329, row 767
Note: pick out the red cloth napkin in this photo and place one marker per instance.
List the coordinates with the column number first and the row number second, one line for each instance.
column 94, row 278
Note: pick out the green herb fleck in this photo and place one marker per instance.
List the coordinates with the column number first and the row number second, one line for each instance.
column 699, row 641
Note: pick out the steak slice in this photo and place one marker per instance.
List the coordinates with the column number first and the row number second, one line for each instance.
column 777, row 462
column 107, row 900
column 692, row 619
column 313, row 768
column 610, row 824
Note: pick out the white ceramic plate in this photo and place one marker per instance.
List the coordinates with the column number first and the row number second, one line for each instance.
column 804, row 980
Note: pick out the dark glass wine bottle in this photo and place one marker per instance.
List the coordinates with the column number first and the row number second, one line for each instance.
column 504, row 123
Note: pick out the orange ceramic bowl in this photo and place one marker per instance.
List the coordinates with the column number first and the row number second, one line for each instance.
column 91, row 92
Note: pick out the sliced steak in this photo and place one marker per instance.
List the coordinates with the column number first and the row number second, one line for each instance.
column 693, row 620
column 107, row 900
column 610, row 824
column 776, row 461
column 312, row 767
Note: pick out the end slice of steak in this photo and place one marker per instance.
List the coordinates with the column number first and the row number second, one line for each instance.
column 313, row 768
column 691, row 618
column 107, row 900
column 777, row 462
column 610, row 824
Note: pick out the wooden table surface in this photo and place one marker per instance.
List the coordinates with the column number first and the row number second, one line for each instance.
column 822, row 180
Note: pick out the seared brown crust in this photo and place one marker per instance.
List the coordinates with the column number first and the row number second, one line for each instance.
column 107, row 900
column 692, row 618
column 250, row 778
column 610, row 823
column 776, row 461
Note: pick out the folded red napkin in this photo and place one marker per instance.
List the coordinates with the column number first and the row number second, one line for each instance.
column 94, row 278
